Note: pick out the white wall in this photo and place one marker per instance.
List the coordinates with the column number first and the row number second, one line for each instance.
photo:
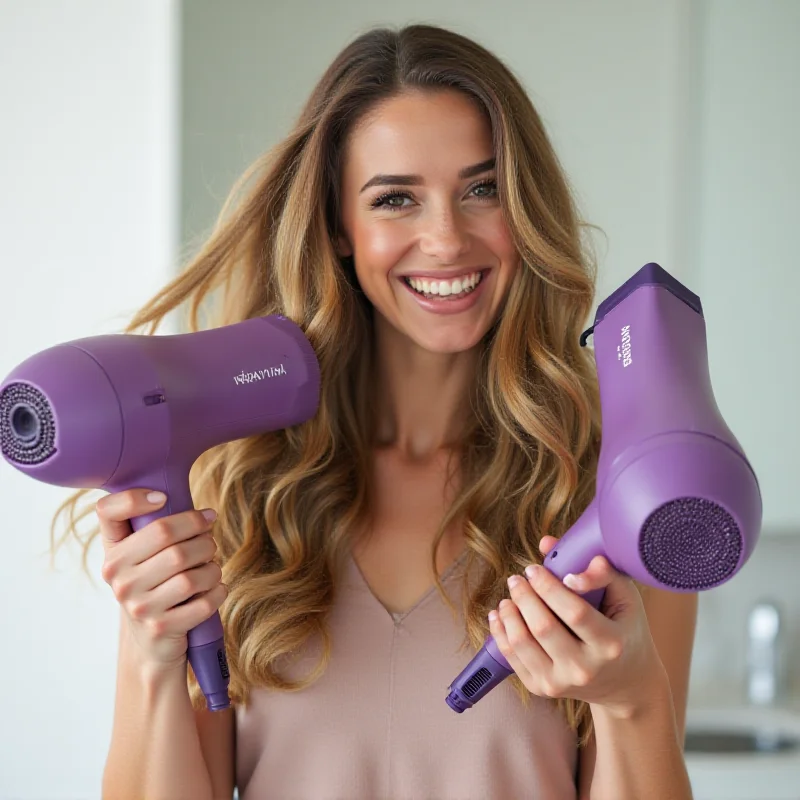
column 745, row 207
column 610, row 80
column 88, row 224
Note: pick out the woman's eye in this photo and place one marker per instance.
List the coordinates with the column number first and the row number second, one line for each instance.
column 384, row 201
column 486, row 185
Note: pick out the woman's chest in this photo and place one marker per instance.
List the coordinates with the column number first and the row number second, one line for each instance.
column 408, row 505
column 376, row 724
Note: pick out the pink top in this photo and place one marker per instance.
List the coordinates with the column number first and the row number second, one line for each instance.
column 376, row 724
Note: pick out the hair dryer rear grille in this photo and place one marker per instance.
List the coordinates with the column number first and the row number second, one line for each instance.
column 27, row 426
column 691, row 543
column 472, row 686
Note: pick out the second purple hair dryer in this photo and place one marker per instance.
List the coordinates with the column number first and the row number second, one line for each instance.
column 123, row 411
column 677, row 504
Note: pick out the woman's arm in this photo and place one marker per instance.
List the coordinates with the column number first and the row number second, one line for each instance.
column 642, row 756
column 155, row 749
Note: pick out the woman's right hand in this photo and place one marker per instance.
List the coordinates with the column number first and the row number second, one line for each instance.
column 156, row 571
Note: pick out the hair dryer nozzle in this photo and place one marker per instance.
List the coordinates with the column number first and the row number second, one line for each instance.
column 694, row 530
column 681, row 511
column 27, row 424
column 60, row 419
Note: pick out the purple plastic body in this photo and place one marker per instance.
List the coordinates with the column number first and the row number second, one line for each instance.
column 677, row 504
column 131, row 411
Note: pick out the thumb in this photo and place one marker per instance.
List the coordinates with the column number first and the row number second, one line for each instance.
column 114, row 512
column 546, row 544
column 620, row 591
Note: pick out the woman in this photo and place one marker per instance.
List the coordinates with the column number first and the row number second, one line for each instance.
column 417, row 225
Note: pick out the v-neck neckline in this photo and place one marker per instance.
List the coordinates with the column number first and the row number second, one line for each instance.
column 399, row 616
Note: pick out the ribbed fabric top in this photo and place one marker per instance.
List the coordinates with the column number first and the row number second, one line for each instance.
column 376, row 726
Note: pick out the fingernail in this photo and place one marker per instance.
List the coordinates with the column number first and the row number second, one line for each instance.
column 492, row 616
column 572, row 581
column 156, row 497
column 531, row 570
column 513, row 581
column 209, row 514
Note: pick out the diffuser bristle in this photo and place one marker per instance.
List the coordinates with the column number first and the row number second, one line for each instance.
column 690, row 543
column 18, row 400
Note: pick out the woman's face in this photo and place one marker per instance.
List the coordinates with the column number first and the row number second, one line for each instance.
column 419, row 204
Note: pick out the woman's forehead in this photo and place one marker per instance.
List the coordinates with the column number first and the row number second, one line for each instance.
column 416, row 134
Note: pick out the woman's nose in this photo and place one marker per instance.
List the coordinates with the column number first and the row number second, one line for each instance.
column 445, row 236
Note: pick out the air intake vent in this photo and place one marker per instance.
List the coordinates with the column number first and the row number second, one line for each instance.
column 481, row 677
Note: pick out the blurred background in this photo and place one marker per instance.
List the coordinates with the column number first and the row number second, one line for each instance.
column 124, row 125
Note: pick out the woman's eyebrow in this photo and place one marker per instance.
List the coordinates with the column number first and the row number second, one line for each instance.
column 417, row 180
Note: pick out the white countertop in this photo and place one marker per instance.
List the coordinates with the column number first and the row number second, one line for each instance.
column 743, row 776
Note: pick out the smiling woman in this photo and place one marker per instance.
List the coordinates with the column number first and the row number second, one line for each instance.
column 417, row 225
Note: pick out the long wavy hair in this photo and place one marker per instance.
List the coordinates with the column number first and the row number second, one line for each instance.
column 289, row 502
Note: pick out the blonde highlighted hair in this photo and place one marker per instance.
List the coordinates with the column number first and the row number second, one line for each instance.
column 289, row 502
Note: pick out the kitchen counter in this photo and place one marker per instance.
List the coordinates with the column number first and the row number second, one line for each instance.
column 743, row 776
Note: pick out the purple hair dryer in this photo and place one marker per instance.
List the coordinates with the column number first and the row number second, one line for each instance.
column 123, row 411
column 677, row 504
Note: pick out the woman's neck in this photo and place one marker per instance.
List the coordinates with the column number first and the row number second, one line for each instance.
column 422, row 398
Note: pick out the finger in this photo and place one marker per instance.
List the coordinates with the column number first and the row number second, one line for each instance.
column 180, row 589
column 114, row 512
column 148, row 542
column 498, row 631
column 546, row 544
column 584, row 623
column 620, row 592
column 163, row 533
column 195, row 611
column 180, row 557
column 543, row 623
column 524, row 646
column 597, row 575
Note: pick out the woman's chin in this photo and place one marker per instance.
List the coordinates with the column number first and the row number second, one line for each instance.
column 443, row 335
column 445, row 342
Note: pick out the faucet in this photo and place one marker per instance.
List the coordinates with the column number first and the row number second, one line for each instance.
column 764, row 673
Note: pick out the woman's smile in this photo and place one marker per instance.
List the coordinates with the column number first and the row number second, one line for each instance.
column 447, row 296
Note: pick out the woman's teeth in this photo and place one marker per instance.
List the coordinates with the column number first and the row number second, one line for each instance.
column 459, row 287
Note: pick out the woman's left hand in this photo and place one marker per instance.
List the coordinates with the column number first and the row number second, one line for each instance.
column 561, row 646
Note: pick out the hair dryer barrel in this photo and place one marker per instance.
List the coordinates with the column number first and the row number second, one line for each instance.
column 104, row 411
column 127, row 411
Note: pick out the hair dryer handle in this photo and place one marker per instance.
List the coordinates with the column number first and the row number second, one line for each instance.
column 573, row 553
column 576, row 548
column 206, row 650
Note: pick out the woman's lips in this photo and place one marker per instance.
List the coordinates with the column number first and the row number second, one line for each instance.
column 447, row 304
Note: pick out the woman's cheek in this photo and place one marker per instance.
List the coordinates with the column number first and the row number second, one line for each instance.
column 377, row 260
